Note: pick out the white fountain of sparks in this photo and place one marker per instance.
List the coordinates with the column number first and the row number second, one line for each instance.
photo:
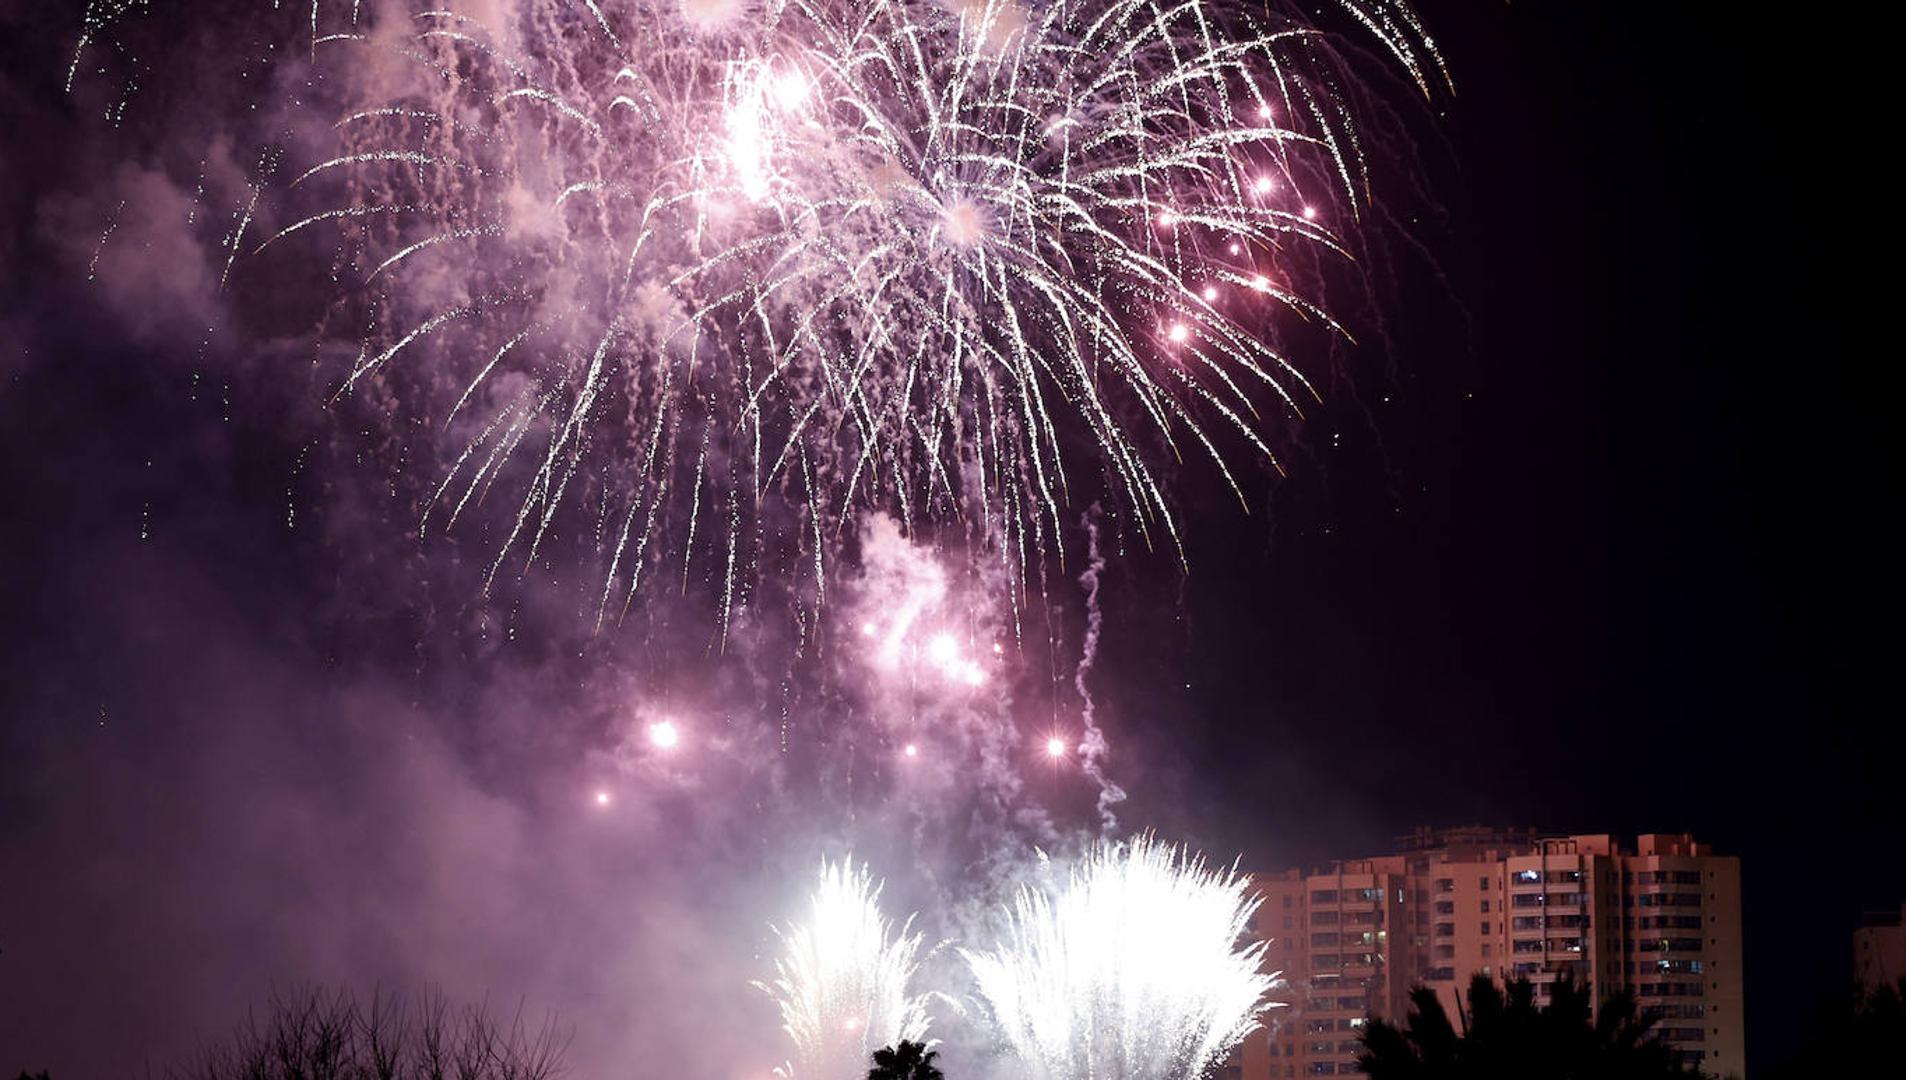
column 842, row 980
column 1133, row 970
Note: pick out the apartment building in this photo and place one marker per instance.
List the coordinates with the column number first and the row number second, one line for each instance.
column 1879, row 950
column 1660, row 918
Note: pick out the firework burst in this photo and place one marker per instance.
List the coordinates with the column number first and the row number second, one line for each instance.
column 693, row 284
column 843, row 979
column 1132, row 970
column 726, row 274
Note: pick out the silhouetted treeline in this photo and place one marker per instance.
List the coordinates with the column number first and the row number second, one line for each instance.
column 1506, row 1035
column 1858, row 1035
column 330, row 1035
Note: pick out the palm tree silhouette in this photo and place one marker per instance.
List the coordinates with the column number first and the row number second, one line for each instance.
column 905, row 1061
column 1507, row 1035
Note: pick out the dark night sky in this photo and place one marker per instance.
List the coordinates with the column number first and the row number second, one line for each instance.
column 1595, row 543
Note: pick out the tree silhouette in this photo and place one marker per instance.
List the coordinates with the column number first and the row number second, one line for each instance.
column 1856, row 1034
column 1506, row 1036
column 905, row 1061
column 329, row 1035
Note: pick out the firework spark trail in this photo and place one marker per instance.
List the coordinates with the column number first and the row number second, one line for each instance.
column 888, row 256
column 1092, row 744
column 843, row 979
column 1129, row 970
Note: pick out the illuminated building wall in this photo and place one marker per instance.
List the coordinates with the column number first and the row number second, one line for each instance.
column 1661, row 918
column 1879, row 950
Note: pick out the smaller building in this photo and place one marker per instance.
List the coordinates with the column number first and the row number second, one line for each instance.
column 1879, row 950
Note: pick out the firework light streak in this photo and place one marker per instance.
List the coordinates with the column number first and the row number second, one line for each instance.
column 732, row 273
column 843, row 979
column 1131, row 970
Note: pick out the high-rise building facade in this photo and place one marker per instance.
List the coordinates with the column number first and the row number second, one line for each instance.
column 1879, row 950
column 1661, row 918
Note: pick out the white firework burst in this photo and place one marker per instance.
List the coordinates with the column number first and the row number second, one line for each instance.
column 1131, row 969
column 844, row 978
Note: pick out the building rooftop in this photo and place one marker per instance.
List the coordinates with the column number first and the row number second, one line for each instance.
column 1426, row 838
column 1872, row 920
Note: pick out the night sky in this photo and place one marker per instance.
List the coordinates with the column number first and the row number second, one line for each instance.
column 1589, row 536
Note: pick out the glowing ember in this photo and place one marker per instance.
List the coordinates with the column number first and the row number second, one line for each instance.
column 965, row 222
